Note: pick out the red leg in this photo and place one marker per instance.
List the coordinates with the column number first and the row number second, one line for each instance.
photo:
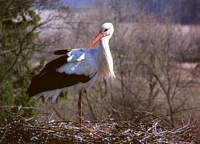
column 80, row 108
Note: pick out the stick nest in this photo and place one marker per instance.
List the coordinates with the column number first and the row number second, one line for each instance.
column 144, row 128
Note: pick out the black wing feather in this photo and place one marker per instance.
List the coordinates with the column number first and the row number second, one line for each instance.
column 54, row 64
column 52, row 80
column 61, row 52
column 49, row 79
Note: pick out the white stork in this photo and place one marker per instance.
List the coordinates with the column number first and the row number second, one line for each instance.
column 75, row 70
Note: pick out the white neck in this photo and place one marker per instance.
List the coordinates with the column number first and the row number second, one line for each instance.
column 105, row 61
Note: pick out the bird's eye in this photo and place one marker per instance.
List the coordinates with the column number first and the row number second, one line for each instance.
column 105, row 30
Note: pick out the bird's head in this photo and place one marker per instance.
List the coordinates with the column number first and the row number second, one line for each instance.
column 106, row 32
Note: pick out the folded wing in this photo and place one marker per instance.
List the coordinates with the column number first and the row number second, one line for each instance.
column 75, row 67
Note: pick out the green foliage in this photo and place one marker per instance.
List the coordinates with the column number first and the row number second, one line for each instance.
column 18, row 23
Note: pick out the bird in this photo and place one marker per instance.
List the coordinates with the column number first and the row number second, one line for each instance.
column 75, row 70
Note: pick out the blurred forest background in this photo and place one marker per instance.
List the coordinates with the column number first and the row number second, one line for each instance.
column 155, row 47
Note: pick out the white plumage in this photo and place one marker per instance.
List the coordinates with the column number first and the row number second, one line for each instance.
column 80, row 61
column 75, row 70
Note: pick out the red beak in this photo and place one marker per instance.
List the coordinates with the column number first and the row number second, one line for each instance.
column 97, row 38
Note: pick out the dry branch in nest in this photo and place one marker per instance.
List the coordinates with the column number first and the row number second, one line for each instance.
column 145, row 128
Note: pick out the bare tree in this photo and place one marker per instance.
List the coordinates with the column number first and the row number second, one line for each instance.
column 146, row 62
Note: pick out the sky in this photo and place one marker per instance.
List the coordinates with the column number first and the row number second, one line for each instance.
column 78, row 3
